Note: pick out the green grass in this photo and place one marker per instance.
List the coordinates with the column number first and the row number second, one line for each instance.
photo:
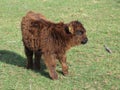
column 90, row 66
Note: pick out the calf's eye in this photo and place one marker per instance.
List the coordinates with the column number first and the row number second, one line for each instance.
column 79, row 32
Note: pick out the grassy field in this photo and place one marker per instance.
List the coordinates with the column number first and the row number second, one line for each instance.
column 91, row 67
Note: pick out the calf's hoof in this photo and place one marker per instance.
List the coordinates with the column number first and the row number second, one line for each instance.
column 37, row 67
column 65, row 72
column 29, row 67
column 54, row 76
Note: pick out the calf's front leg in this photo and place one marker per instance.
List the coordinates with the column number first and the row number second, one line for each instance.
column 63, row 62
column 50, row 62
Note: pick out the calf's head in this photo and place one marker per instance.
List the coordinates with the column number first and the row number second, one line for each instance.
column 78, row 33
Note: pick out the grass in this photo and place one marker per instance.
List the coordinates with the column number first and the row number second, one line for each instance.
column 90, row 66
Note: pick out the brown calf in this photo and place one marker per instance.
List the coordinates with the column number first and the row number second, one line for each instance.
column 41, row 36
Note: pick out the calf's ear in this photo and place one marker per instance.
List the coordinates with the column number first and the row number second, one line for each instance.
column 69, row 29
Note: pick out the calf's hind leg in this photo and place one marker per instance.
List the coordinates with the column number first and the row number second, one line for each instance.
column 37, row 59
column 29, row 55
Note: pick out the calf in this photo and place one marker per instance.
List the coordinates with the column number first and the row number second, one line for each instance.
column 44, row 37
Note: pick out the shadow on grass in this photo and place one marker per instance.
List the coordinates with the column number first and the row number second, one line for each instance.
column 17, row 60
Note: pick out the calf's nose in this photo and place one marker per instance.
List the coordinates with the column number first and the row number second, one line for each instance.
column 85, row 41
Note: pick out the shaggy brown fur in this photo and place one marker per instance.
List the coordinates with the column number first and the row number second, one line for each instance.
column 41, row 36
